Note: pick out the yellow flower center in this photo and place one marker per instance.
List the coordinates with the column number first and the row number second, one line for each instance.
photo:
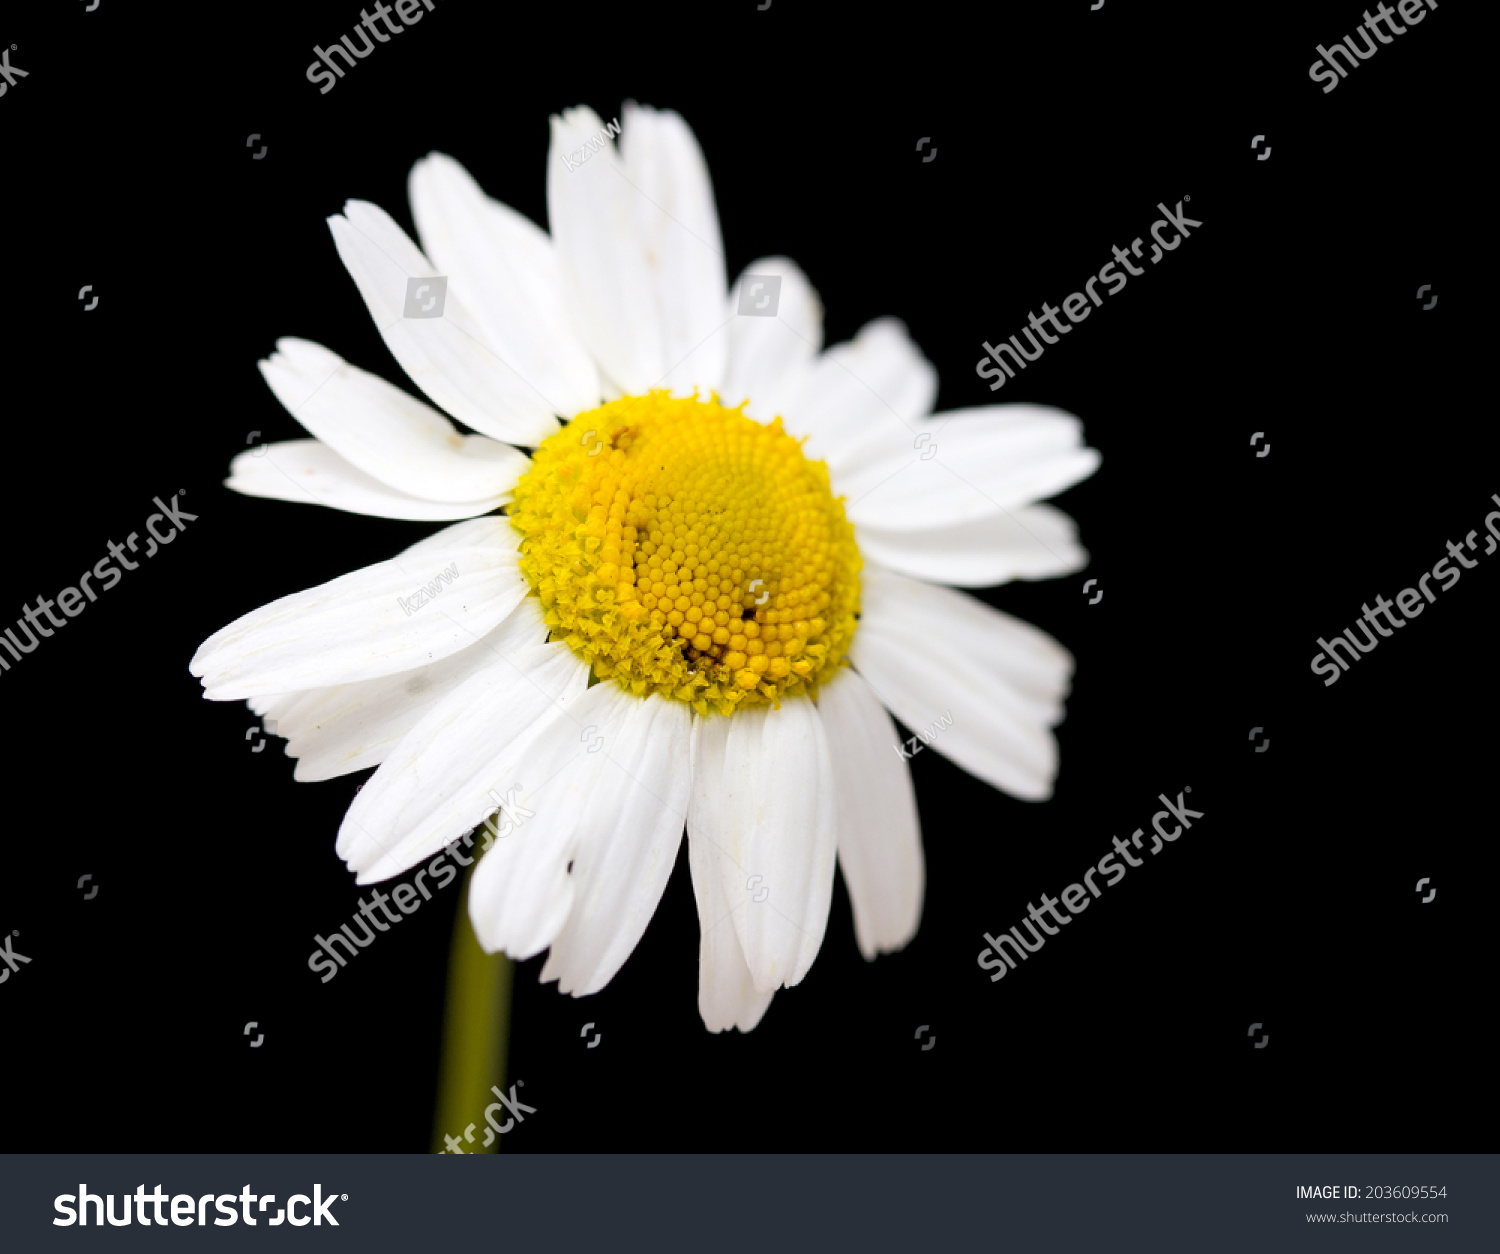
column 684, row 549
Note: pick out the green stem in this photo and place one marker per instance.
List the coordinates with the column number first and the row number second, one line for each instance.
column 476, row 1022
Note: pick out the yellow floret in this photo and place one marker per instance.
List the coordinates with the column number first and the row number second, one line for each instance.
column 695, row 554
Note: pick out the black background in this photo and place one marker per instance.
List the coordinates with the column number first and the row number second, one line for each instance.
column 1058, row 130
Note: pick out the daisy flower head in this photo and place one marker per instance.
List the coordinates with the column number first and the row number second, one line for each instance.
column 720, row 566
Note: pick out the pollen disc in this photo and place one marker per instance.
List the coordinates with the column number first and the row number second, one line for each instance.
column 684, row 549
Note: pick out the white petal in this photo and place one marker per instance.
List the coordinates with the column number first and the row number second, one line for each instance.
column 629, row 834
column 435, row 784
column 770, row 357
column 333, row 731
column 877, row 381
column 449, row 357
column 384, row 432
column 561, row 858
column 504, row 268
column 271, row 707
column 523, row 892
column 679, row 229
column 310, row 473
column 763, row 798
column 1031, row 542
column 880, row 840
column 727, row 996
column 934, row 655
column 593, row 211
column 963, row 465
column 362, row 625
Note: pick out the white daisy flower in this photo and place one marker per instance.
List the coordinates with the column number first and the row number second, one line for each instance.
column 690, row 615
